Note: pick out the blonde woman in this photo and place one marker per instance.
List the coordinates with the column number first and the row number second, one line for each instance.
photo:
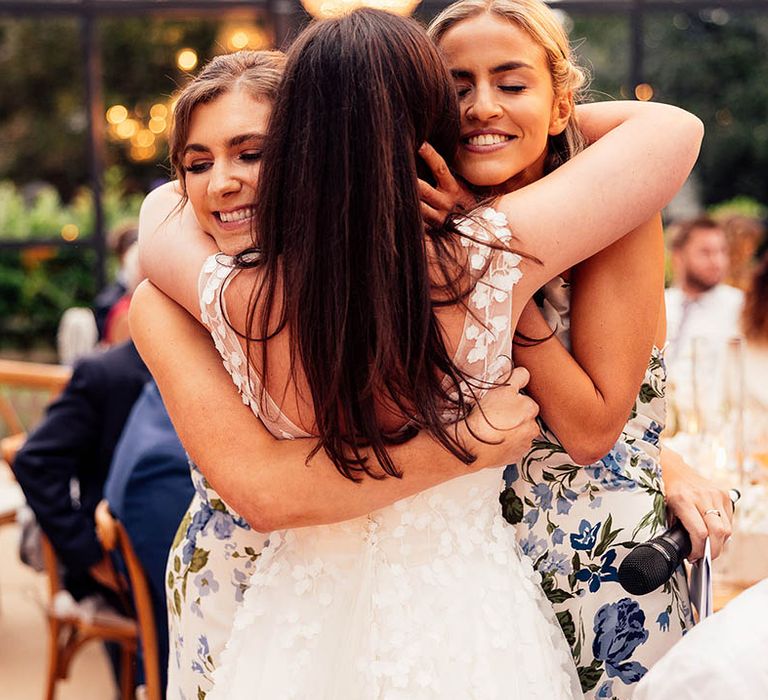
column 591, row 487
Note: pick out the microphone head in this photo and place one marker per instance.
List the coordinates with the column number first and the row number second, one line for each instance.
column 647, row 567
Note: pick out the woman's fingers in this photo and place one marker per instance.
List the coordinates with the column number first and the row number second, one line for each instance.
column 432, row 217
column 704, row 513
column 688, row 514
column 436, row 199
column 704, row 509
column 718, row 520
column 519, row 378
column 439, row 168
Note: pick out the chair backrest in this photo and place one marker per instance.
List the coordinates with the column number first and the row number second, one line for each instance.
column 50, row 379
column 47, row 378
column 50, row 566
column 114, row 538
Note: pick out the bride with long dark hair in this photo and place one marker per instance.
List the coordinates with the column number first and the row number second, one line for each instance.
column 348, row 324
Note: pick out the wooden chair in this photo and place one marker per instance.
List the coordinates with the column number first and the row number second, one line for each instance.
column 68, row 632
column 29, row 375
column 113, row 537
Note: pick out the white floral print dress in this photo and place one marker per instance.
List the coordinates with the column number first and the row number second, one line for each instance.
column 578, row 523
column 428, row 598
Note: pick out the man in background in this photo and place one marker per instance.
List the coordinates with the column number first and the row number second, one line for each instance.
column 63, row 465
column 703, row 314
column 120, row 240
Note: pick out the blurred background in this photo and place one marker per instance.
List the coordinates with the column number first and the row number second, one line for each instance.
column 86, row 91
column 85, row 99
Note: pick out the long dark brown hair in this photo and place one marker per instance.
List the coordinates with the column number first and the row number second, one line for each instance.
column 339, row 226
column 754, row 317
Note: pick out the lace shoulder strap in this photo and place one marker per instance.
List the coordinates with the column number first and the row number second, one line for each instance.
column 215, row 276
column 485, row 350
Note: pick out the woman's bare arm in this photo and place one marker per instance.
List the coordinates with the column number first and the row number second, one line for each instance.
column 621, row 180
column 172, row 246
column 266, row 480
column 586, row 397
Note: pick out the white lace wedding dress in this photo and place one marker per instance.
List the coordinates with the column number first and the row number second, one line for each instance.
column 428, row 598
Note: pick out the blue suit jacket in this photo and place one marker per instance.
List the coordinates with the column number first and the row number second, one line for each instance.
column 148, row 490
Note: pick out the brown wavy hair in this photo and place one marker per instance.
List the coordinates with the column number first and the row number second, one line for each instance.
column 340, row 231
column 754, row 317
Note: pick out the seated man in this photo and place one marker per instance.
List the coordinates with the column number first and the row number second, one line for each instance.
column 64, row 462
column 148, row 490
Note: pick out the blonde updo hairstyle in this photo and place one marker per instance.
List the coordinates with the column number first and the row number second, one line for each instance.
column 257, row 72
column 543, row 26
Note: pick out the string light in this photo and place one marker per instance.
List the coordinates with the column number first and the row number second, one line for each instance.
column 643, row 92
column 127, row 128
column 117, row 114
column 334, row 8
column 157, row 125
column 186, row 59
column 144, row 138
column 239, row 39
column 70, row 232
column 158, row 111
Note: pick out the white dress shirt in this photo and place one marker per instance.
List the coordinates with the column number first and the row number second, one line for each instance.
column 698, row 331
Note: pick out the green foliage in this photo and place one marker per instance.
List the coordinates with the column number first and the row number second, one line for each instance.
column 43, row 117
column 714, row 64
column 38, row 283
column 601, row 44
column 710, row 62
column 37, row 212
column 36, row 286
column 739, row 206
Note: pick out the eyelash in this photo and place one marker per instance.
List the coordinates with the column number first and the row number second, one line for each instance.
column 249, row 157
column 197, row 168
column 462, row 92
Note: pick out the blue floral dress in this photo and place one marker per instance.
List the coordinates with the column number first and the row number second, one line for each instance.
column 578, row 523
column 209, row 569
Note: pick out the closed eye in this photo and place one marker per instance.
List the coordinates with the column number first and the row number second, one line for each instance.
column 462, row 88
column 197, row 167
column 251, row 156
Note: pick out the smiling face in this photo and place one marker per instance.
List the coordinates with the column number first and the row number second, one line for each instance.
column 507, row 103
column 221, row 162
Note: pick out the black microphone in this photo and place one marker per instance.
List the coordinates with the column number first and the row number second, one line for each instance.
column 652, row 563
